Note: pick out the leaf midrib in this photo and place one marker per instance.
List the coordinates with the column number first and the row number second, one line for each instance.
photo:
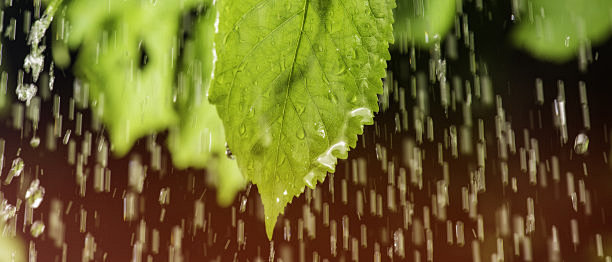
column 297, row 48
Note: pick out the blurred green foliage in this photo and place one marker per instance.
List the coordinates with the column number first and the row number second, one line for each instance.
column 12, row 249
column 199, row 138
column 129, row 54
column 422, row 22
column 557, row 30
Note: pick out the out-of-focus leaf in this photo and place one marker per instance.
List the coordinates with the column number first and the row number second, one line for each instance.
column 422, row 22
column 199, row 139
column 11, row 249
column 556, row 30
column 128, row 55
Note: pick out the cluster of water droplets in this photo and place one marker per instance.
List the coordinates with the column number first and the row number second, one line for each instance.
column 34, row 62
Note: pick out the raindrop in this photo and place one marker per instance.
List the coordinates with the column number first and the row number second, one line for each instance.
column 35, row 141
column 581, row 144
column 228, row 152
column 243, row 203
column 7, row 211
column 35, row 194
column 271, row 259
column 34, row 62
column 51, row 77
column 66, row 137
column 16, row 170
column 37, row 228
column 164, row 196
column 25, row 92
column 136, row 175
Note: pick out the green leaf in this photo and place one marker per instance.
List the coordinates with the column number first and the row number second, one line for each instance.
column 199, row 139
column 294, row 83
column 133, row 99
column 422, row 22
column 113, row 36
column 555, row 30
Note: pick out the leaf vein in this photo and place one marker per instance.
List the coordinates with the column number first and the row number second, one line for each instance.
column 297, row 48
column 251, row 51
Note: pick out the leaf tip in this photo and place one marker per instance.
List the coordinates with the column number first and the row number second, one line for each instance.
column 270, row 221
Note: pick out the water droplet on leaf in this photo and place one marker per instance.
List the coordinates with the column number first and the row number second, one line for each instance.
column 332, row 97
column 242, row 129
column 300, row 133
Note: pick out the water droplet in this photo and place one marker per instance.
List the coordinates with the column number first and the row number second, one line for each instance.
column 51, row 77
column 243, row 203
column 25, row 92
column 34, row 62
column 228, row 152
column 300, row 134
column 329, row 157
column 341, row 71
column 37, row 228
column 16, row 170
column 66, row 137
column 282, row 159
column 300, row 109
column 7, row 211
column 581, row 144
column 364, row 114
column 310, row 179
column 35, row 194
column 242, row 129
column 332, row 97
column 35, row 141
column 136, row 175
column 164, row 196
column 320, row 129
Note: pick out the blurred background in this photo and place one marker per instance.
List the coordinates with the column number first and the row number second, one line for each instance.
column 491, row 144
